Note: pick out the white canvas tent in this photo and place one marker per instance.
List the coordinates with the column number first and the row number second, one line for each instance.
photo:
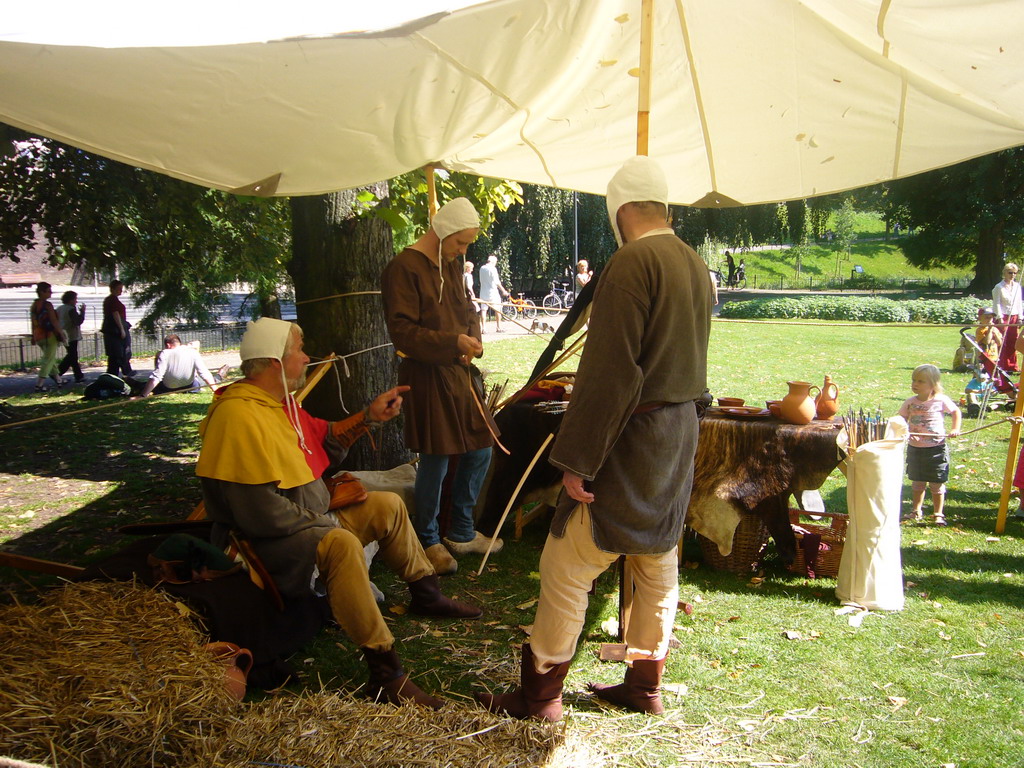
column 752, row 100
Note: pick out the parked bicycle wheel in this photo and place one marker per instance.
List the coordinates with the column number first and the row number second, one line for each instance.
column 568, row 299
column 551, row 304
column 529, row 309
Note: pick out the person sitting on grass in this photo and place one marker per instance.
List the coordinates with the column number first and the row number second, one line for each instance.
column 261, row 468
column 179, row 368
column 927, row 450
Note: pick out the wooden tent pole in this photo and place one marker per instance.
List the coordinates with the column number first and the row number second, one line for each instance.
column 431, row 190
column 1011, row 458
column 643, row 109
column 643, row 129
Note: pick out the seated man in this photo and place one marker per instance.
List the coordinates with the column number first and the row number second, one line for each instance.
column 261, row 467
column 179, row 367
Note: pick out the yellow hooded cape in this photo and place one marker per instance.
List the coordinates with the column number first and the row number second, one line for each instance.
column 247, row 438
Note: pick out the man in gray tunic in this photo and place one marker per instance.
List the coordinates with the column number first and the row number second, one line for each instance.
column 626, row 445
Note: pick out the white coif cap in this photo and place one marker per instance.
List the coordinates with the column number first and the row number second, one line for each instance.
column 266, row 337
column 455, row 216
column 640, row 179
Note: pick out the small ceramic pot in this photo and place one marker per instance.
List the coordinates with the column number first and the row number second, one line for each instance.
column 730, row 402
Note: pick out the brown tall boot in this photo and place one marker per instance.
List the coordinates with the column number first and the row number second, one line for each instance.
column 388, row 681
column 639, row 691
column 538, row 696
column 427, row 600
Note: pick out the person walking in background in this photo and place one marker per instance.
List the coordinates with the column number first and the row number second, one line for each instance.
column 583, row 275
column 467, row 276
column 927, row 451
column 1006, row 304
column 71, row 319
column 730, row 264
column 46, row 332
column 116, row 339
column 491, row 289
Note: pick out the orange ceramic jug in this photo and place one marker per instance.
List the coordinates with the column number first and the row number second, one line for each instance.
column 827, row 402
column 798, row 406
column 237, row 663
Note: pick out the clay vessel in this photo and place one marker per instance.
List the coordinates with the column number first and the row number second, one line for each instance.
column 827, row 402
column 237, row 663
column 798, row 406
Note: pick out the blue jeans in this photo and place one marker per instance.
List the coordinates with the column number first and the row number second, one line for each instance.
column 469, row 477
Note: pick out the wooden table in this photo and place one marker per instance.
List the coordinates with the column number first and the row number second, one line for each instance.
column 746, row 467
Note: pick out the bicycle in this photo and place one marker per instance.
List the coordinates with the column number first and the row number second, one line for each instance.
column 519, row 309
column 560, row 298
column 739, row 280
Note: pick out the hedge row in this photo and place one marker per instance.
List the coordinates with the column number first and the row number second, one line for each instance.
column 869, row 309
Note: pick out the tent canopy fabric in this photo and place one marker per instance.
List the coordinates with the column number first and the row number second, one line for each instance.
column 751, row 100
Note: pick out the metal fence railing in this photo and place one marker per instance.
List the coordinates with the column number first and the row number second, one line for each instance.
column 19, row 353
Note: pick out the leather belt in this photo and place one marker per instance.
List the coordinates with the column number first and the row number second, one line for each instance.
column 648, row 407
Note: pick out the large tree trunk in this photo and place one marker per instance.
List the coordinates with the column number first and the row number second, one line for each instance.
column 333, row 252
column 989, row 269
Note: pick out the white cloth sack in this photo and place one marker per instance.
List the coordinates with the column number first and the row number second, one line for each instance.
column 871, row 568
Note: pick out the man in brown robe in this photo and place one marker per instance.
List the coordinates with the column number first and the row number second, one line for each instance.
column 626, row 445
column 436, row 331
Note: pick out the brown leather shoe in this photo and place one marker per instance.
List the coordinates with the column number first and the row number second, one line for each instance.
column 639, row 691
column 389, row 682
column 427, row 600
column 442, row 560
column 538, row 696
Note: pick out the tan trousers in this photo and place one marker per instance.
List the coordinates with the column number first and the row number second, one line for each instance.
column 568, row 567
column 383, row 518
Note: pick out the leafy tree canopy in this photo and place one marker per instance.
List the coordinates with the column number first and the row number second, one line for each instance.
column 969, row 213
column 180, row 243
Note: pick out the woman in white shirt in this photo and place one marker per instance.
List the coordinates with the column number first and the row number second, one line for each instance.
column 1006, row 304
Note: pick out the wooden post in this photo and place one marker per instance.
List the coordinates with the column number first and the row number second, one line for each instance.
column 1011, row 459
column 431, row 191
column 643, row 109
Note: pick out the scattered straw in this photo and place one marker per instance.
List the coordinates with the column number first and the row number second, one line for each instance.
column 106, row 674
column 115, row 675
column 334, row 729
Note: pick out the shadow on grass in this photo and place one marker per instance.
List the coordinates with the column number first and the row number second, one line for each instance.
column 84, row 476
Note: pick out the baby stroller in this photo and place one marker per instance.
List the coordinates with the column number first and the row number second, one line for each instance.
column 999, row 378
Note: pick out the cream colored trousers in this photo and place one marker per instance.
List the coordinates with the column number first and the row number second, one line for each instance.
column 383, row 518
column 568, row 567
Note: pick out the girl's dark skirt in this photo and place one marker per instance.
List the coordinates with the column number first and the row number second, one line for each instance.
column 928, row 464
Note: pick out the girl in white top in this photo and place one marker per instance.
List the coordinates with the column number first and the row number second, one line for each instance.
column 927, row 452
column 1006, row 304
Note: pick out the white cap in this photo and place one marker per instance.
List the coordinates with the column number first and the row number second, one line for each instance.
column 455, row 216
column 640, row 179
column 266, row 337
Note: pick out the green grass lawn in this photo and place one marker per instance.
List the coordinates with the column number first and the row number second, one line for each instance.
column 940, row 683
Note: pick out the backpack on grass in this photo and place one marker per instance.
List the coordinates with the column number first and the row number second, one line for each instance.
column 107, row 386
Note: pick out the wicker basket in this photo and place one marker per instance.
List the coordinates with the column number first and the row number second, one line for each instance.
column 748, row 542
column 830, row 552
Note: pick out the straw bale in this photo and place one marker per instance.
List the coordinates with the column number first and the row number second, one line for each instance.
column 106, row 674
column 332, row 729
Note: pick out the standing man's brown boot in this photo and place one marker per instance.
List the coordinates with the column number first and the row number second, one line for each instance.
column 641, row 689
column 538, row 696
column 389, row 682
